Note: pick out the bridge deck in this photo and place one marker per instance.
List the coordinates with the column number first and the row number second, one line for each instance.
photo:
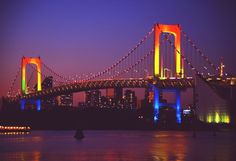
column 104, row 84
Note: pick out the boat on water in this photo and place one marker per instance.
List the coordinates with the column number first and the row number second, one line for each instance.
column 14, row 130
column 79, row 134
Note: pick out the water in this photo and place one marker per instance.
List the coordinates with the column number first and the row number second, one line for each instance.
column 119, row 146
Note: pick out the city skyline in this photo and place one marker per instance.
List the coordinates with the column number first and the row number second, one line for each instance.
column 117, row 80
column 67, row 35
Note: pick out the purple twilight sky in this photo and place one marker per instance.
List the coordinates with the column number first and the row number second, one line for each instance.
column 84, row 36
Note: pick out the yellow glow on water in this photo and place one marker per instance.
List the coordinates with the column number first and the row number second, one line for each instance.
column 225, row 118
column 218, row 118
column 209, row 118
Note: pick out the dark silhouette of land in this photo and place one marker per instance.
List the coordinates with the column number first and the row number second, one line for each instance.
column 100, row 119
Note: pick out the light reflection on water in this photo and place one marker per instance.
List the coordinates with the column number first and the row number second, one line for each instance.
column 119, row 146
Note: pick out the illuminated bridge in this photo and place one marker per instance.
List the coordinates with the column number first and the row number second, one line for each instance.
column 173, row 64
column 104, row 84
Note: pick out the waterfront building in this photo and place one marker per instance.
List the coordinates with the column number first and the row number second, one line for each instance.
column 130, row 99
column 65, row 100
column 47, row 84
column 93, row 98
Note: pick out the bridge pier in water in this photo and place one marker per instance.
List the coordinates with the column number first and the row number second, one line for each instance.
column 37, row 103
column 36, row 61
column 158, row 104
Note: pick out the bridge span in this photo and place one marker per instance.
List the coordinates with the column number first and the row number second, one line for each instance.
column 166, row 54
column 173, row 83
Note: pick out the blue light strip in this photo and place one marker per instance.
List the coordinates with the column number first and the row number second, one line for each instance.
column 38, row 104
column 22, row 104
column 178, row 112
column 156, row 104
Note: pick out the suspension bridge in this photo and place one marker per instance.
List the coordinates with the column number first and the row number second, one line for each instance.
column 165, row 59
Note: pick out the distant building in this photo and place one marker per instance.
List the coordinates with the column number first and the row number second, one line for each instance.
column 118, row 93
column 149, row 95
column 130, row 99
column 81, row 105
column 93, row 98
column 111, row 102
column 65, row 100
column 104, row 102
column 47, row 84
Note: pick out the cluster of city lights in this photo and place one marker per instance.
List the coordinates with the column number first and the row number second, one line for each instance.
column 13, row 133
column 15, row 128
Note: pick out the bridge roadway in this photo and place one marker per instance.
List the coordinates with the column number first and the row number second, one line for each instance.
column 181, row 83
column 224, row 87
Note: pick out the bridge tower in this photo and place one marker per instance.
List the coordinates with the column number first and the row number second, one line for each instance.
column 36, row 61
column 158, row 68
column 222, row 66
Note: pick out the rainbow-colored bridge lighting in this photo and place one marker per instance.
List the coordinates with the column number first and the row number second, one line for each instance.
column 158, row 67
column 24, row 90
column 25, row 61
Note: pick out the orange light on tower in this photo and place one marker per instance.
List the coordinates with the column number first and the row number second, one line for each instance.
column 25, row 61
column 222, row 66
column 158, row 66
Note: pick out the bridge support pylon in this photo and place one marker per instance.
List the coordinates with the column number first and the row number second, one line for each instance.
column 179, row 64
column 158, row 103
column 36, row 61
column 158, row 68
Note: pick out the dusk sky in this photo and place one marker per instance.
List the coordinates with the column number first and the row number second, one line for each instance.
column 84, row 36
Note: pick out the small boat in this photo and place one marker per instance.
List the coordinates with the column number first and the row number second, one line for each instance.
column 14, row 130
column 79, row 134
